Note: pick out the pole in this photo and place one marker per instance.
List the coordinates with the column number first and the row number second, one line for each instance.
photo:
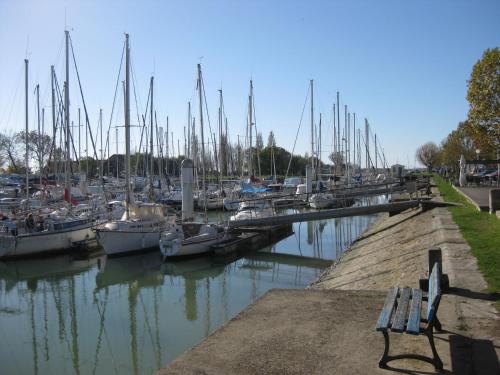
column 151, row 136
column 250, row 123
column 40, row 161
column 27, row 128
column 367, row 145
column 338, row 122
column 127, row 127
column 312, row 125
column 354, row 138
column 101, row 170
column 54, row 129
column 202, row 138
column 67, row 182
column 189, row 132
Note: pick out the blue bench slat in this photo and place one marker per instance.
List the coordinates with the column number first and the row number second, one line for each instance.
column 434, row 291
column 413, row 325
column 386, row 314
column 398, row 323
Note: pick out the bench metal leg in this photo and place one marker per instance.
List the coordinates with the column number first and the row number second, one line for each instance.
column 437, row 324
column 385, row 357
column 435, row 361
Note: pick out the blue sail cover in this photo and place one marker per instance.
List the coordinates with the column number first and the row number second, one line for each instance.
column 253, row 189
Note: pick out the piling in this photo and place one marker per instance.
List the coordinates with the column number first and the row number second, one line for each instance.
column 494, row 201
column 309, row 173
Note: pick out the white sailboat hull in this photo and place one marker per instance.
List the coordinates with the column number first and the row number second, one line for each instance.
column 191, row 246
column 231, row 204
column 117, row 242
column 44, row 242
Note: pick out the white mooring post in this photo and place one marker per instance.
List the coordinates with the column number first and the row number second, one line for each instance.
column 309, row 173
column 187, row 189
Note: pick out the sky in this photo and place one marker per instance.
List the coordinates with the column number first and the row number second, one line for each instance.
column 403, row 65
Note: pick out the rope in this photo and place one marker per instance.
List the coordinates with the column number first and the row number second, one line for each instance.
column 297, row 135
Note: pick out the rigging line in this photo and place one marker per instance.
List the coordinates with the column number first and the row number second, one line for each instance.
column 138, row 103
column 114, row 100
column 19, row 80
column 83, row 99
column 106, row 337
column 297, row 135
column 206, row 107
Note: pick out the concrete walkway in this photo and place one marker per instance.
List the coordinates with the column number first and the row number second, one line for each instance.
column 478, row 196
column 330, row 329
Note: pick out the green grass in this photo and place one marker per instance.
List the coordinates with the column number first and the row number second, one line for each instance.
column 481, row 230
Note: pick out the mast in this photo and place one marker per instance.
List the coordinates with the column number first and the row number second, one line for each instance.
column 354, row 139
column 221, row 162
column 167, row 146
column 334, row 132
column 346, row 148
column 339, row 147
column 151, row 137
column 367, row 145
column 201, row 134
column 67, row 182
column 79, row 138
column 127, row 127
column 26, row 130
column 40, row 155
column 250, row 118
column 375, row 152
column 319, row 144
column 312, row 125
column 189, row 132
column 116, row 138
column 54, row 130
column 101, row 170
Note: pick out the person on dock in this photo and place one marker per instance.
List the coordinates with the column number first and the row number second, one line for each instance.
column 40, row 224
column 29, row 223
column 8, row 225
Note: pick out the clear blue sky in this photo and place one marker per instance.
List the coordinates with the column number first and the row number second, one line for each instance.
column 403, row 65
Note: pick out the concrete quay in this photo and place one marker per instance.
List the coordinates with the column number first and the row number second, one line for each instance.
column 329, row 328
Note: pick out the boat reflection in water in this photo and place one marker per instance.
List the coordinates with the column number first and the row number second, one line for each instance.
column 135, row 314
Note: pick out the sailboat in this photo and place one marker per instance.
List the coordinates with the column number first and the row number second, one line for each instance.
column 53, row 233
column 188, row 238
column 141, row 224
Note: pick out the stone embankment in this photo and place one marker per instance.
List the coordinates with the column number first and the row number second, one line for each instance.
column 329, row 328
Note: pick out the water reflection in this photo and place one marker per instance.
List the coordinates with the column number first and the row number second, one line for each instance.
column 132, row 315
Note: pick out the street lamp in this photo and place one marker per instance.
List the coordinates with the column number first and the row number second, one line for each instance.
column 477, row 153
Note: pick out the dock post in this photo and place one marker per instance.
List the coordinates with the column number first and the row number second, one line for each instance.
column 494, row 201
column 187, row 189
column 308, row 179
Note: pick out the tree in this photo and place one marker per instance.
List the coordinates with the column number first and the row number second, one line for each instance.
column 259, row 143
column 428, row 154
column 271, row 140
column 483, row 95
column 456, row 144
column 9, row 149
column 337, row 158
column 39, row 145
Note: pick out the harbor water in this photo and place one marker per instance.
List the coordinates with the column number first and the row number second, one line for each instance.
column 135, row 314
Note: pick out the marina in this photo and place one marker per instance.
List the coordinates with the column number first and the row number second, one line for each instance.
column 134, row 314
column 248, row 188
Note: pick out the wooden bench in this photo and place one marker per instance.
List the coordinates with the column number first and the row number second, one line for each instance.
column 402, row 313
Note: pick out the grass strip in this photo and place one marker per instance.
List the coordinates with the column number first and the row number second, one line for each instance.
column 481, row 230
